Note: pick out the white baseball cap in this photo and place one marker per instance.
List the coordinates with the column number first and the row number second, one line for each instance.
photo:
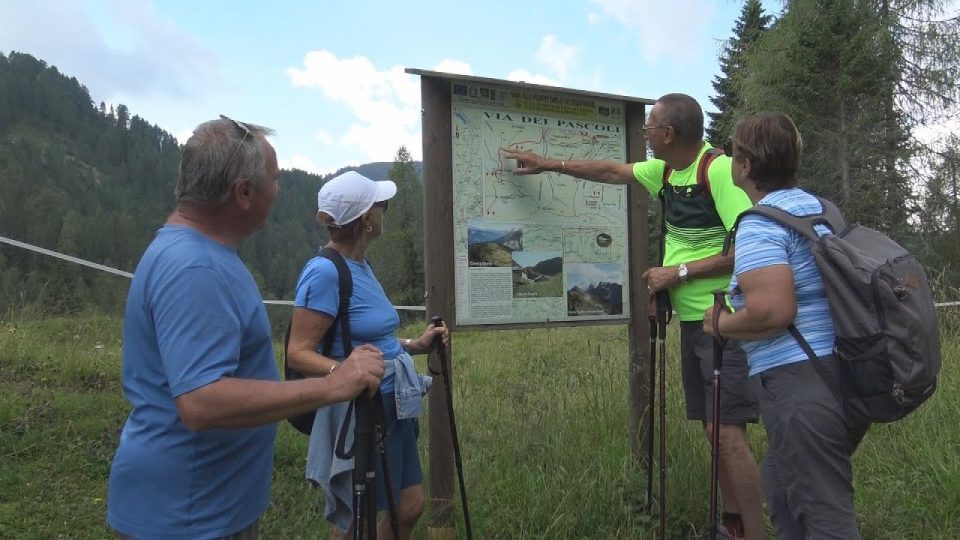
column 347, row 196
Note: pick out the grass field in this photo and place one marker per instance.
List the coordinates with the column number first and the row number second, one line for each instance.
column 543, row 425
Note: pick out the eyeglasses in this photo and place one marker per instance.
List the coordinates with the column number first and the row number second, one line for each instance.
column 246, row 133
column 651, row 128
column 381, row 204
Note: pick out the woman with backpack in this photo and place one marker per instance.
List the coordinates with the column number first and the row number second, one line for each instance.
column 352, row 208
column 777, row 289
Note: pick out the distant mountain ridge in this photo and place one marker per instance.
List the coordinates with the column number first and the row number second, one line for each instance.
column 377, row 170
column 549, row 267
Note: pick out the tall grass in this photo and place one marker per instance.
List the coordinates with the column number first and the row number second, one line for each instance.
column 542, row 417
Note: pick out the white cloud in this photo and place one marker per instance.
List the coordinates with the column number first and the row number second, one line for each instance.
column 385, row 103
column 324, row 137
column 304, row 164
column 454, row 66
column 584, row 275
column 526, row 76
column 183, row 134
column 556, row 55
column 132, row 52
column 660, row 41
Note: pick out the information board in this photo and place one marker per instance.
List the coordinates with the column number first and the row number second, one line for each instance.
column 536, row 248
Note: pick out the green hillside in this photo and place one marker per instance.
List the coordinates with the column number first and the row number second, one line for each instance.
column 97, row 182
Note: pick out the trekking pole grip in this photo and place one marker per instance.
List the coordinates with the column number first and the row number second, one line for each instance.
column 438, row 323
column 719, row 305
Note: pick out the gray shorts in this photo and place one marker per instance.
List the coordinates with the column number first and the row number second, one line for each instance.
column 738, row 404
column 807, row 473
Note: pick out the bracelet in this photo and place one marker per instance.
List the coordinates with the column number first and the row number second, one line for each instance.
column 333, row 367
column 406, row 344
column 563, row 165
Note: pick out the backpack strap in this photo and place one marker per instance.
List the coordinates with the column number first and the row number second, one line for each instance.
column 343, row 315
column 304, row 422
column 343, row 310
column 703, row 168
column 804, row 225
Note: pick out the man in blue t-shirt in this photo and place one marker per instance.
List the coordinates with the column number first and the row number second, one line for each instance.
column 195, row 458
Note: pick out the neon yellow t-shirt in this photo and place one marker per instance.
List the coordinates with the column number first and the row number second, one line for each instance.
column 691, row 299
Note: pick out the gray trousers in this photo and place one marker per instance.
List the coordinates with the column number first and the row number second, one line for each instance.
column 807, row 473
column 249, row 533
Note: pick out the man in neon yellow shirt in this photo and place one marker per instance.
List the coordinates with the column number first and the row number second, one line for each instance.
column 697, row 221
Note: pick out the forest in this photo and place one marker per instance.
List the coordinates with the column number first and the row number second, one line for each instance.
column 872, row 86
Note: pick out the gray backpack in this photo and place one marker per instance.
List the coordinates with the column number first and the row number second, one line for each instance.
column 887, row 339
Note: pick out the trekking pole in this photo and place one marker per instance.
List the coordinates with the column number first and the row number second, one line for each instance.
column 381, row 434
column 664, row 316
column 363, row 471
column 369, row 437
column 444, row 369
column 718, row 344
column 652, row 392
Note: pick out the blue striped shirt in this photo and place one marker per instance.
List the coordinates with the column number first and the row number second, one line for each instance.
column 762, row 242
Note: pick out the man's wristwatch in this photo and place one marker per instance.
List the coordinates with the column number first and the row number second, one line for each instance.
column 682, row 272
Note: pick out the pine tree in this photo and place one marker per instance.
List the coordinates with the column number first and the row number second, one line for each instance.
column 831, row 66
column 753, row 22
column 398, row 255
column 859, row 78
column 924, row 42
column 941, row 217
column 123, row 116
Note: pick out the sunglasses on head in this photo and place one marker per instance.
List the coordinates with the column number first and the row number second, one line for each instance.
column 246, row 133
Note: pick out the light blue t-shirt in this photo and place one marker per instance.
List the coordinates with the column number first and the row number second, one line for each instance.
column 373, row 318
column 194, row 315
column 762, row 242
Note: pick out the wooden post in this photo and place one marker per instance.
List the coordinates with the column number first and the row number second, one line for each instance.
column 639, row 329
column 439, row 278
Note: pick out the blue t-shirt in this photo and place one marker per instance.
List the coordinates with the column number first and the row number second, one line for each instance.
column 194, row 315
column 762, row 242
column 373, row 319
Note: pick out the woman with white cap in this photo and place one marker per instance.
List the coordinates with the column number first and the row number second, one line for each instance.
column 352, row 208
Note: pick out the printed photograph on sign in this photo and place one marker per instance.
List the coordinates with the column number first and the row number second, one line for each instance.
column 594, row 289
column 491, row 244
column 537, row 274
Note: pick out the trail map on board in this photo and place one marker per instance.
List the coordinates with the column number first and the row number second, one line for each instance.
column 536, row 248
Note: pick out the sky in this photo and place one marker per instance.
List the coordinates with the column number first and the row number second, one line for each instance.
column 329, row 76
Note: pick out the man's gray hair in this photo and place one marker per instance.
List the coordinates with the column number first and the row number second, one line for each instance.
column 685, row 115
column 219, row 154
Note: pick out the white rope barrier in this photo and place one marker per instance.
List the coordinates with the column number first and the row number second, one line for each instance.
column 117, row 272
column 103, row 268
column 66, row 257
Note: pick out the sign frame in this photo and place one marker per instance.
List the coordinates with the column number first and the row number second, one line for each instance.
column 439, row 271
